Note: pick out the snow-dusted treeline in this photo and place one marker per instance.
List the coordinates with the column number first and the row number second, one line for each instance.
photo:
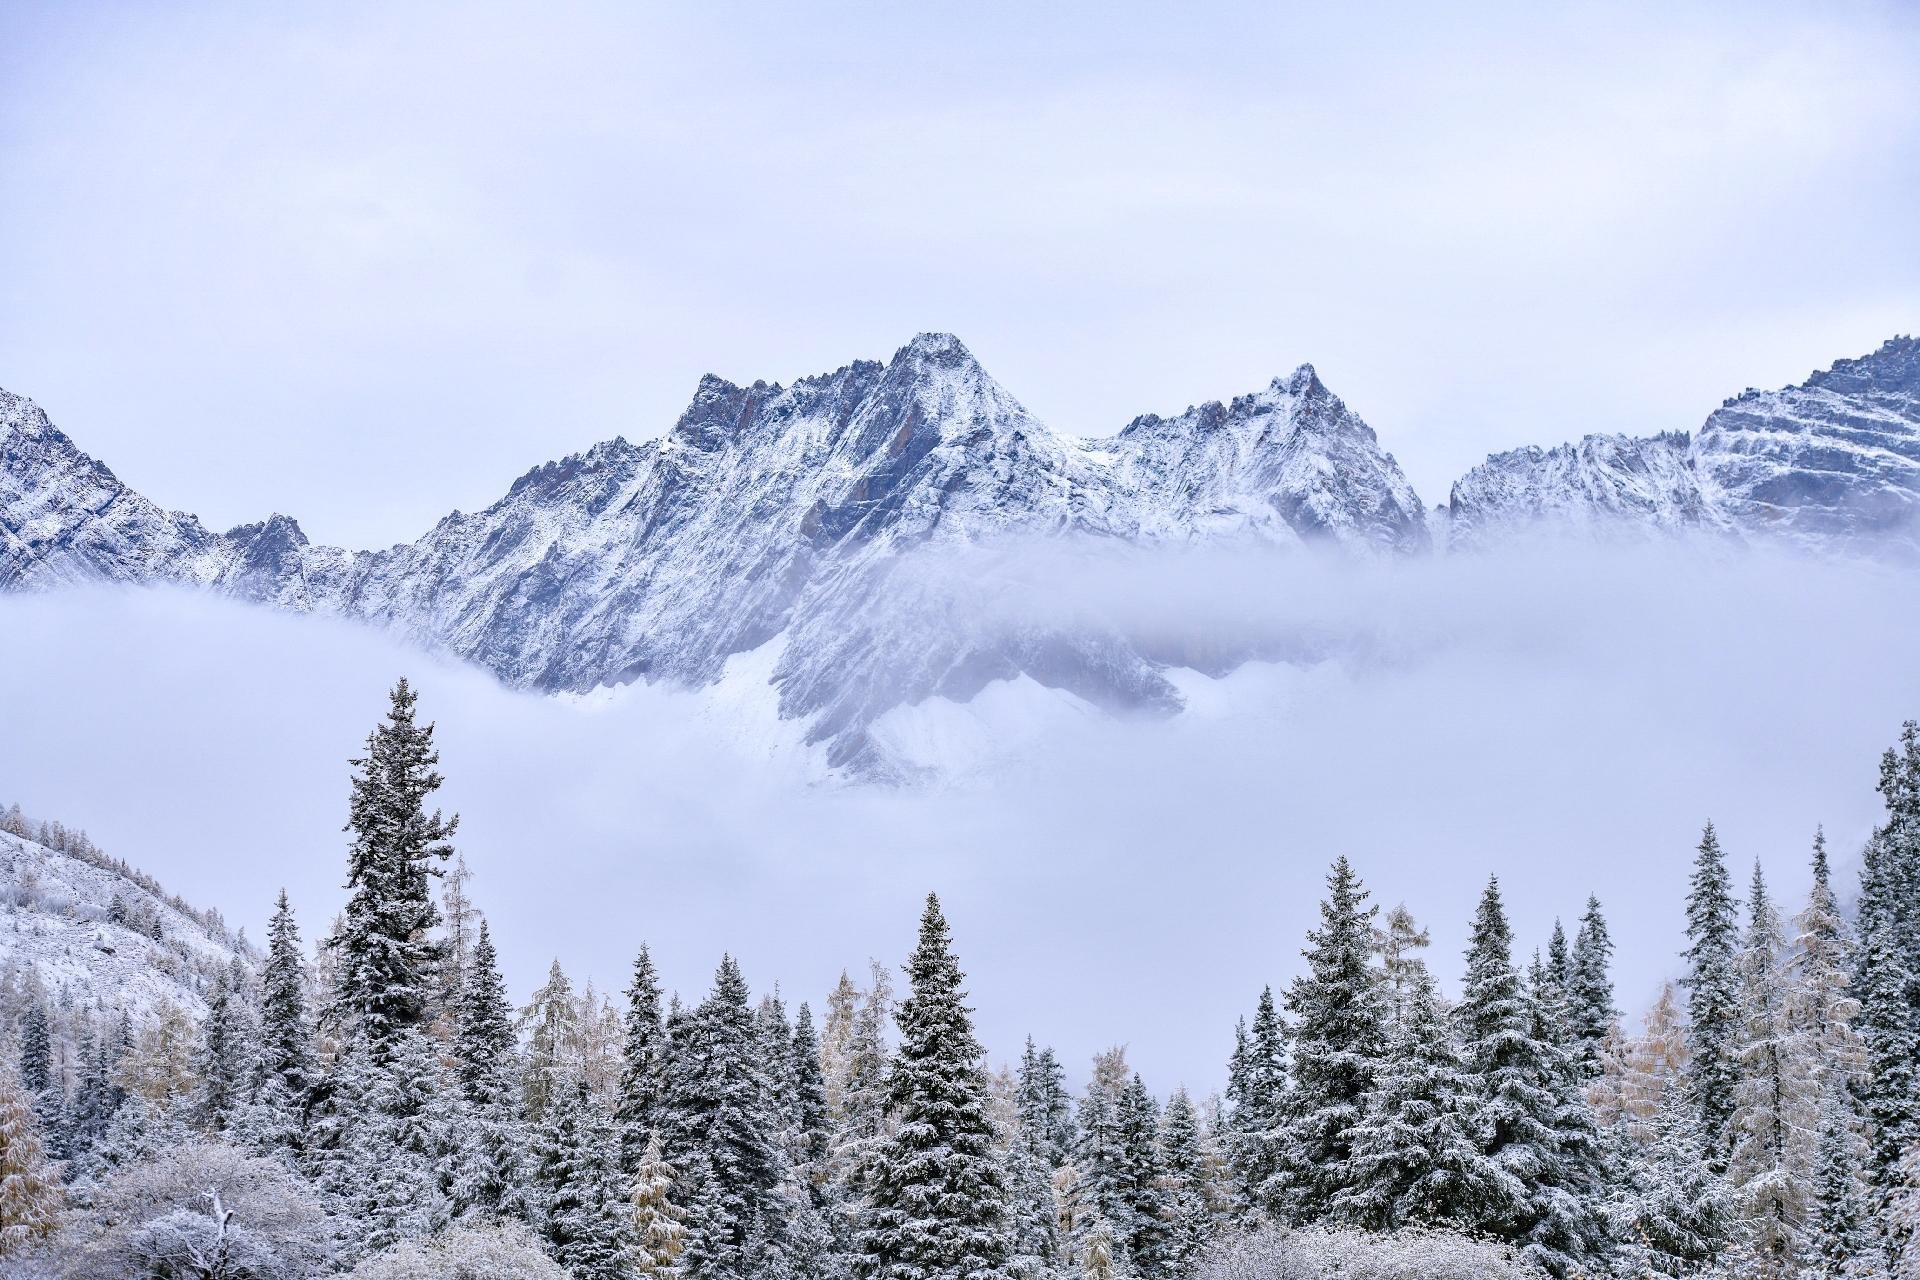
column 378, row 1107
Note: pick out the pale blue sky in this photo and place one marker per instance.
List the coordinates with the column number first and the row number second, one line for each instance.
column 364, row 264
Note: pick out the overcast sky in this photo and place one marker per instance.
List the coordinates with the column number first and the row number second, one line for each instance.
column 364, row 264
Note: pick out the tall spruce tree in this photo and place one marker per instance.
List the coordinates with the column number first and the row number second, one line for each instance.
column 493, row 1147
column 225, row 1059
column 1139, row 1180
column 1821, row 1005
column 1045, row 1109
column 386, row 960
column 1186, row 1200
column 1837, row 1233
column 643, row 1064
column 1591, row 1016
column 286, row 1028
column 1677, row 1213
column 1339, row 1035
column 586, row 1215
column 1889, row 961
column 1416, row 1161
column 1256, row 1094
column 937, row 1202
column 1543, row 1203
column 719, row 1132
column 1713, row 994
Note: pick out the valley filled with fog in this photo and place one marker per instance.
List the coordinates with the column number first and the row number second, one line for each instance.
column 1566, row 717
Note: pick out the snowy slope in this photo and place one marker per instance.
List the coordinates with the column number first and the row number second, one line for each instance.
column 55, row 927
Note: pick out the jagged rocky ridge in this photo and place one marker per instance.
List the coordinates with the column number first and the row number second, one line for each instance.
column 1832, row 464
column 809, row 513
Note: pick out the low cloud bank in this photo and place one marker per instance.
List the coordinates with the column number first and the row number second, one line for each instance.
column 1566, row 719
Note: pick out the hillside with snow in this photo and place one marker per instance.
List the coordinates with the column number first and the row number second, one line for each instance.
column 91, row 933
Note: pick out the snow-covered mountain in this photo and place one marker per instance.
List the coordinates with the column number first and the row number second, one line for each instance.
column 765, row 511
column 90, row 931
column 1832, row 464
column 826, row 522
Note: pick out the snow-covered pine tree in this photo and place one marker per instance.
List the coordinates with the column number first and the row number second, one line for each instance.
column 1676, row 1214
column 771, row 1025
column 1046, row 1110
column 1100, row 1155
column 1256, row 1094
column 31, row 1197
column 936, row 1205
column 643, row 1064
column 1713, row 995
column 1339, row 1036
column 492, row 1146
column 1837, row 1231
column 1557, row 968
column 1591, row 1017
column 659, row 1225
column 719, row 1133
column 1033, row 1210
column 287, row 1071
column 226, row 1057
column 811, row 1124
column 1416, row 1161
column 1185, row 1199
column 1544, row 1200
column 1771, row 1130
column 1888, row 983
column 36, row 1051
column 1140, row 1180
column 386, row 958
column 586, row 1214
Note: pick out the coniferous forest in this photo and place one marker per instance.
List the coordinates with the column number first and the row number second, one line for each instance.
column 377, row 1106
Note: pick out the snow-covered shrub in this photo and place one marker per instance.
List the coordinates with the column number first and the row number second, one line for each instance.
column 204, row 1209
column 1321, row 1254
column 463, row 1253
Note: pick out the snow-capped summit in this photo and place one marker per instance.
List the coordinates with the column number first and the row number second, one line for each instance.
column 793, row 512
column 1832, row 464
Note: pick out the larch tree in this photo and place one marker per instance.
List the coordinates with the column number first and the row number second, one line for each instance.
column 1771, row 1134
column 936, row 1207
column 31, row 1196
column 1397, row 942
column 659, row 1225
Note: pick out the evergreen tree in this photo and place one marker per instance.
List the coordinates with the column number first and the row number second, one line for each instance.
column 226, row 1052
column 1713, row 995
column 1256, row 1094
column 492, row 1145
column 1415, row 1157
column 643, row 1065
column 719, row 1132
column 1033, row 1210
column 1139, row 1180
column 1339, row 1034
column 1591, row 1017
column 1185, row 1199
column 811, row 1124
column 1544, row 1201
column 286, row 1062
column 1678, row 1214
column 36, row 1051
column 1769, row 1129
column 586, row 1214
column 1045, row 1109
column 1889, row 972
column 1837, row 1229
column 937, row 1208
column 31, row 1197
column 386, row 958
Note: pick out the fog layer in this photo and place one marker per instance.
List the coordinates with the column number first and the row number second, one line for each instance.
column 1566, row 720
